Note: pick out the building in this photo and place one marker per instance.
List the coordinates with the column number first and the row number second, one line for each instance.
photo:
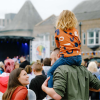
column 88, row 15
column 8, row 19
column 45, row 30
column 15, row 38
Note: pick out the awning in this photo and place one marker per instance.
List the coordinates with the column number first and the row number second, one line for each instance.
column 16, row 37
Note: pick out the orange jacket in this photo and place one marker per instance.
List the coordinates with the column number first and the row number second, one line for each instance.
column 20, row 93
column 68, row 41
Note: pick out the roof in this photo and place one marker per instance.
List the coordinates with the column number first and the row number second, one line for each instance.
column 49, row 21
column 26, row 18
column 86, row 10
column 16, row 37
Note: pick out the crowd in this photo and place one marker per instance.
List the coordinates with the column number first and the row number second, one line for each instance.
column 16, row 80
column 20, row 80
column 62, row 76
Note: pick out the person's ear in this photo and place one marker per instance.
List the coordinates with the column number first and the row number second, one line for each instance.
column 58, row 55
column 33, row 70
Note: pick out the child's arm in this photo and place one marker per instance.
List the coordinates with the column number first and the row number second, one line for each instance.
column 57, row 41
column 79, row 43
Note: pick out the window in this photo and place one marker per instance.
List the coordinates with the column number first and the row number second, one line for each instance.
column 97, row 37
column 84, row 39
column 46, row 37
column 93, row 38
column 52, row 40
column 41, row 38
column 3, row 22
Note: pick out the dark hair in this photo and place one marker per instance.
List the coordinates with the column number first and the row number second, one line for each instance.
column 13, row 83
column 41, row 60
column 47, row 62
column 56, row 49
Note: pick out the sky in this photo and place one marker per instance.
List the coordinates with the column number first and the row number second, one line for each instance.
column 44, row 7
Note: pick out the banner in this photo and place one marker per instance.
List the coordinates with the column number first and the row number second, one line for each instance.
column 91, row 53
column 40, row 49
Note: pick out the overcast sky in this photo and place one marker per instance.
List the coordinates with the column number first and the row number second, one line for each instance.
column 44, row 7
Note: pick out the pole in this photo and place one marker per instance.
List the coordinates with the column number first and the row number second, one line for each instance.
column 80, row 24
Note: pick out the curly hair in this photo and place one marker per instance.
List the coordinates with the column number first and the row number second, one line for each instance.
column 66, row 20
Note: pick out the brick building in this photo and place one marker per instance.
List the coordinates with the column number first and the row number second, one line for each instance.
column 88, row 15
column 46, row 30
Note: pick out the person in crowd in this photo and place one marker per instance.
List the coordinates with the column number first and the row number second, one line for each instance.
column 16, row 89
column 41, row 60
column 67, row 39
column 15, row 59
column 18, row 57
column 28, row 58
column 7, row 57
column 37, row 82
column 23, row 62
column 28, row 69
column 42, row 65
column 99, row 68
column 99, row 76
column 55, row 55
column 2, row 68
column 98, row 65
column 9, row 66
column 92, row 67
column 16, row 65
column 83, row 63
column 71, row 82
column 46, row 65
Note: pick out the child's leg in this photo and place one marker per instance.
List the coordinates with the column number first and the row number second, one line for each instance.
column 78, row 60
column 59, row 62
column 74, row 60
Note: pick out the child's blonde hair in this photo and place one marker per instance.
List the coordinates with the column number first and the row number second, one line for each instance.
column 37, row 66
column 66, row 20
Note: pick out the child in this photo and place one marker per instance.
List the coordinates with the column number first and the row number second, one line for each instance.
column 37, row 82
column 67, row 39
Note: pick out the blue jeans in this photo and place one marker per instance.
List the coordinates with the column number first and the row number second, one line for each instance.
column 74, row 60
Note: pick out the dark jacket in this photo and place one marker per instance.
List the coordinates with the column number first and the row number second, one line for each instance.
column 23, row 64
